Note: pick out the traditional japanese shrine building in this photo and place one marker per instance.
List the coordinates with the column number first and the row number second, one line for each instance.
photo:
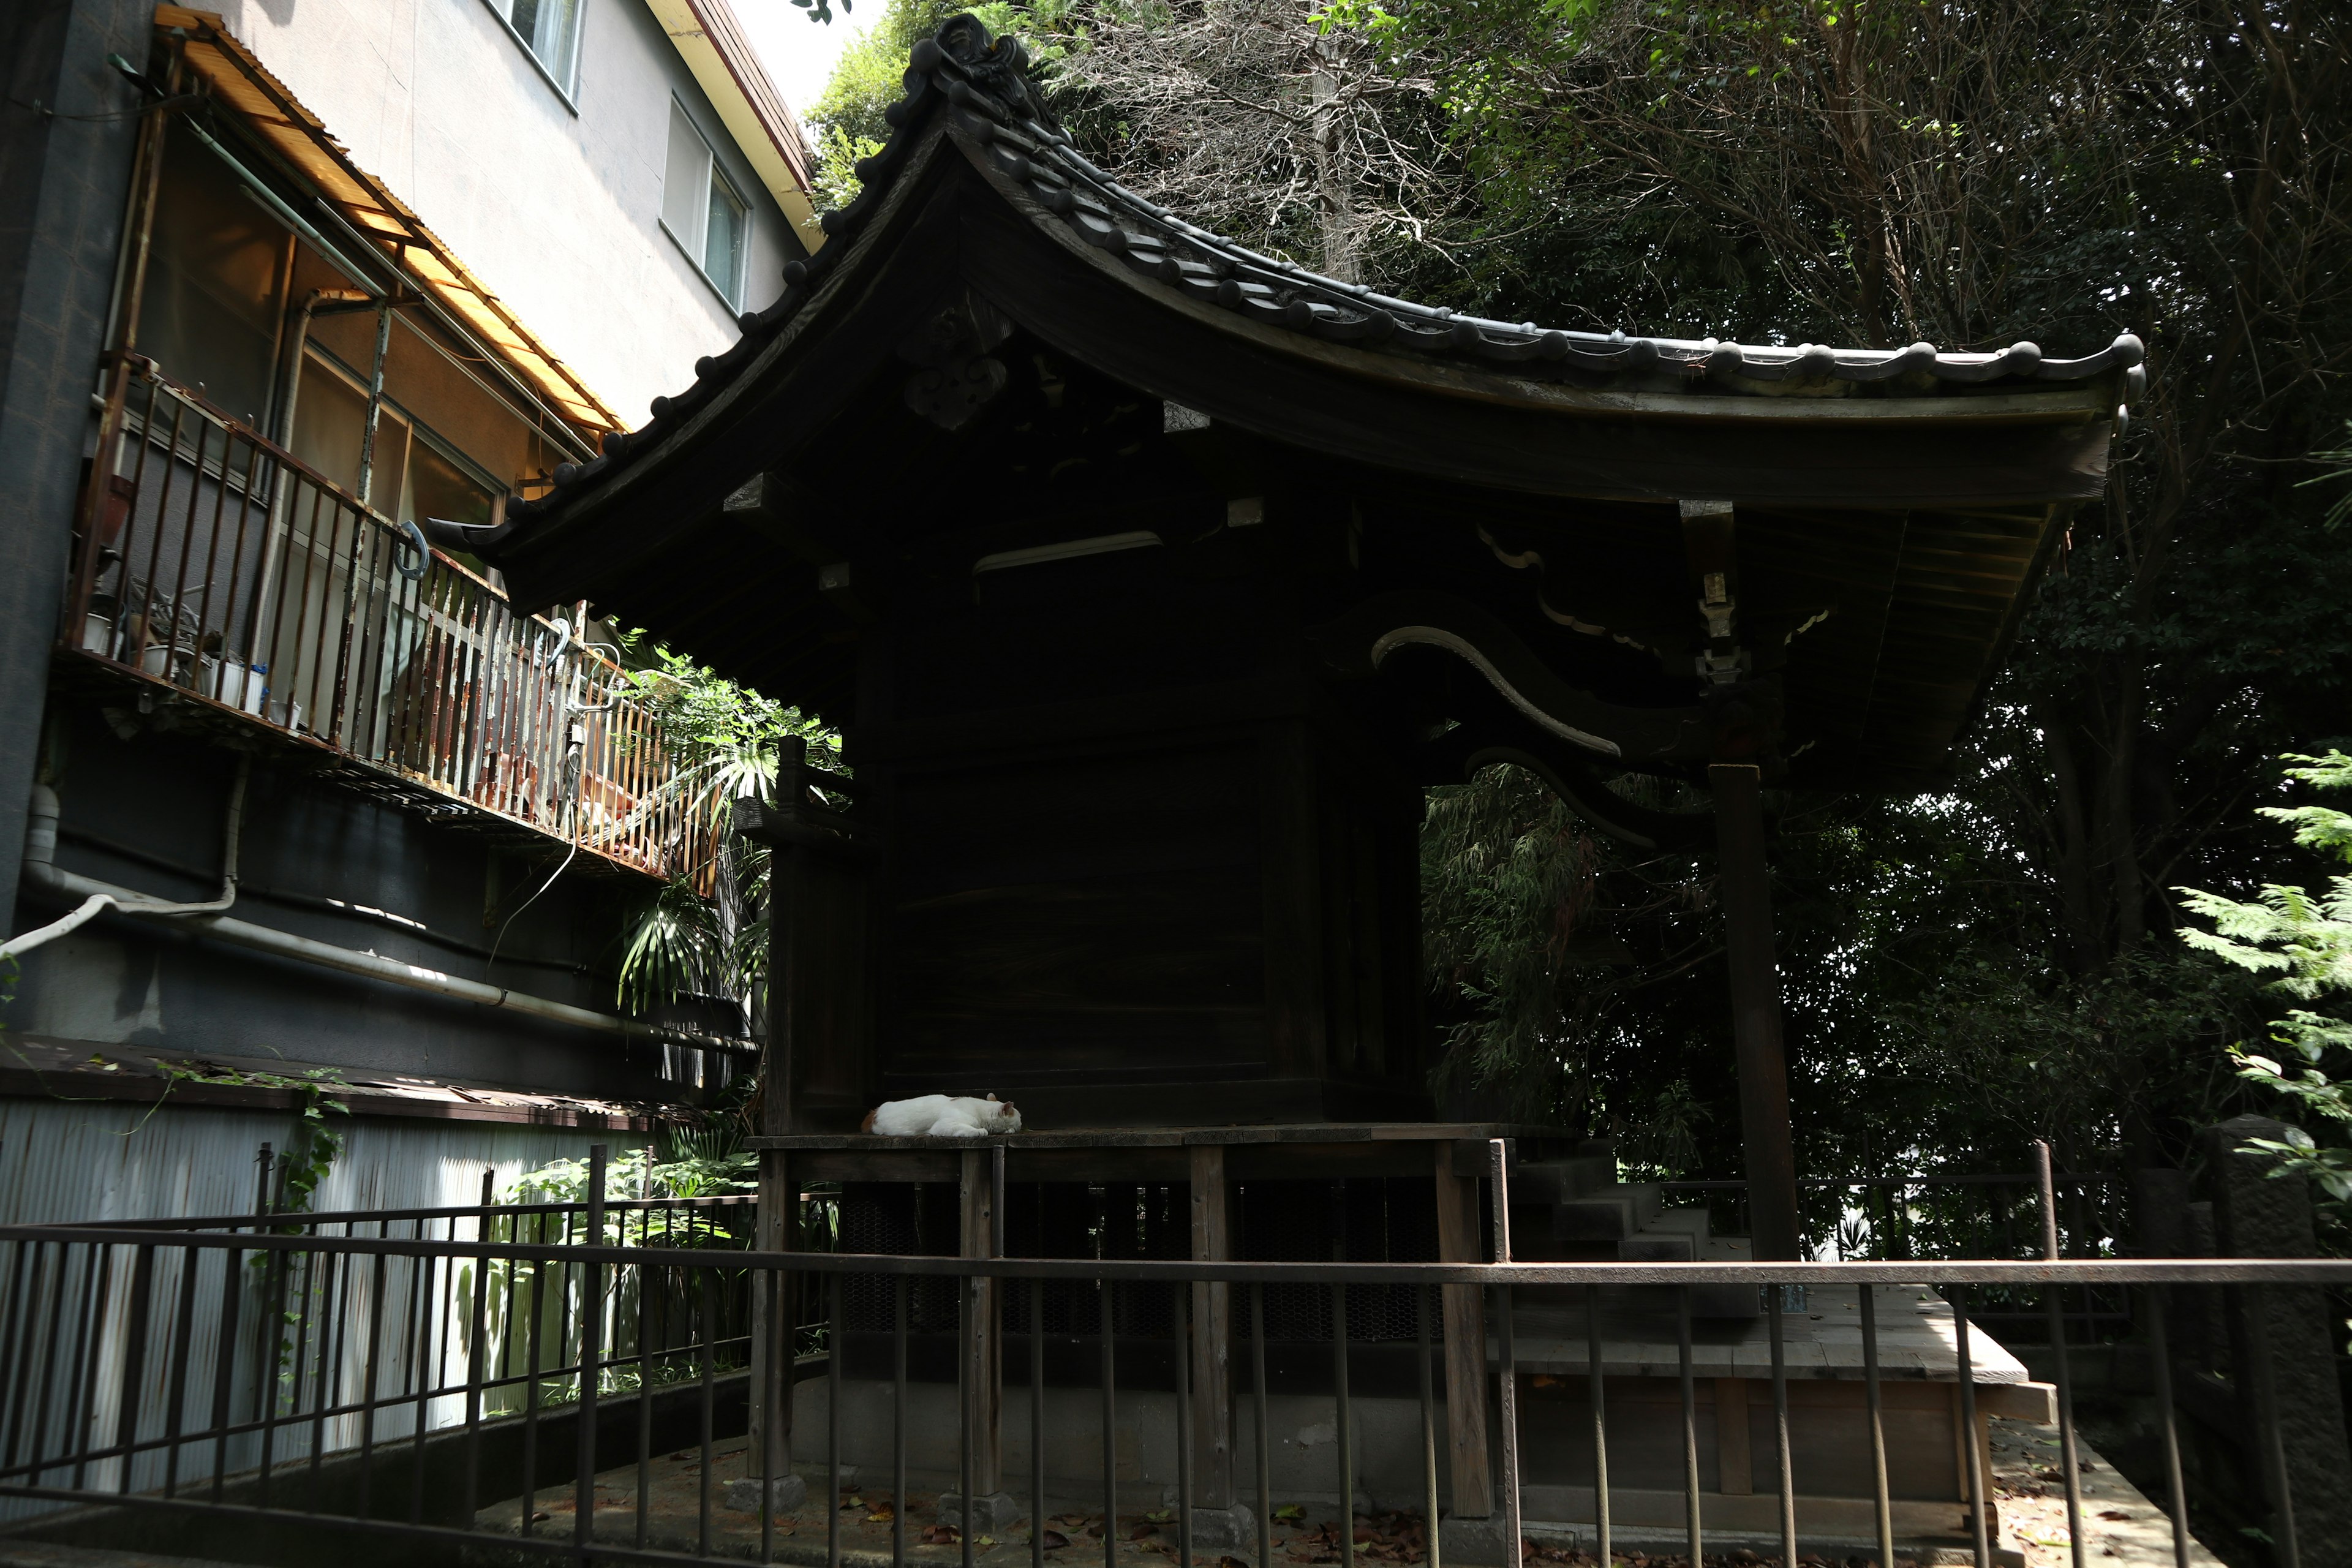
column 1151, row 581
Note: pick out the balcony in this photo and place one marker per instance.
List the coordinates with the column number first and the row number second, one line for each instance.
column 226, row 582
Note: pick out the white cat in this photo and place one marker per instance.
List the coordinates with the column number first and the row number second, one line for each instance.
column 942, row 1115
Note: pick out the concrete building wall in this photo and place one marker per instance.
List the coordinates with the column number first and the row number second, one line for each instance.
column 65, row 169
column 553, row 202
column 132, row 805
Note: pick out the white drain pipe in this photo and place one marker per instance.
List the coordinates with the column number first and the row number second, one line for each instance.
column 42, row 872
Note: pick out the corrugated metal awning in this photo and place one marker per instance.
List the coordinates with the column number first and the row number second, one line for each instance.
column 240, row 85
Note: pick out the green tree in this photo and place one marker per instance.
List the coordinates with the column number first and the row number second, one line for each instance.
column 2305, row 939
column 846, row 122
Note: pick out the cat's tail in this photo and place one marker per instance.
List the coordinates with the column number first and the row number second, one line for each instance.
column 868, row 1125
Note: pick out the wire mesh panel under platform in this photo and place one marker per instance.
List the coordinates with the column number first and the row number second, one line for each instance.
column 1120, row 1221
column 1356, row 1219
column 907, row 1220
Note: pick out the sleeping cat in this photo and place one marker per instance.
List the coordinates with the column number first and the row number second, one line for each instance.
column 942, row 1115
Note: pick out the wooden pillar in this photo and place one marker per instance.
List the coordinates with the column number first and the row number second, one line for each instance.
column 1772, row 1155
column 983, row 1347
column 1212, row 1372
column 1735, row 1464
column 772, row 1335
column 1459, row 1240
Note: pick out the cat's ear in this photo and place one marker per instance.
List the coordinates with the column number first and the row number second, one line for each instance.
column 992, row 1099
column 1009, row 1108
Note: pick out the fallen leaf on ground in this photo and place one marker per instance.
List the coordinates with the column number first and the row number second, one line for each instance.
column 1140, row 1530
column 1072, row 1520
column 1160, row 1515
column 984, row 1541
column 1054, row 1538
column 940, row 1535
column 2112, row 1513
column 882, row 1515
column 1290, row 1510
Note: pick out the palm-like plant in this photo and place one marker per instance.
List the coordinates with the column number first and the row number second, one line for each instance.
column 705, row 933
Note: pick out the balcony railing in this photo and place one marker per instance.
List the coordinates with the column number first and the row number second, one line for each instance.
column 215, row 563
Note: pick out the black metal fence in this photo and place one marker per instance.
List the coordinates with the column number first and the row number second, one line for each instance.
column 375, row 1372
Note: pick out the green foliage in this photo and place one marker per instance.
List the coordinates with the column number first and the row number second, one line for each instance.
column 846, row 122
column 310, row 1153
column 705, row 933
column 2306, row 941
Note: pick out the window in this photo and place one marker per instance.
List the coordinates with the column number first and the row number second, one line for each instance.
column 550, row 29
column 701, row 210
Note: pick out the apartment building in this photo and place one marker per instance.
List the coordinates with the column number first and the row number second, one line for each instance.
column 279, row 284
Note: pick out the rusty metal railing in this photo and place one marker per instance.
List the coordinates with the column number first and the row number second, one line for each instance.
column 556, row 1380
column 215, row 563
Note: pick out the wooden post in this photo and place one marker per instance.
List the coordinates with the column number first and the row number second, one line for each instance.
column 1756, row 1011
column 983, row 1350
column 1734, row 1461
column 771, row 1343
column 1212, row 1372
column 1459, row 1240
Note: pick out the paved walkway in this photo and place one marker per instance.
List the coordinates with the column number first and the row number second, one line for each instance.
column 2121, row 1529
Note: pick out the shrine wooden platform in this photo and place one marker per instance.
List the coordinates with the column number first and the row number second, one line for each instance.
column 1161, row 1153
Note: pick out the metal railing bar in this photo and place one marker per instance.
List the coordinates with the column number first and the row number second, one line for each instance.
column 1784, row 1458
column 1691, row 1523
column 2116, row 1271
column 1882, row 1511
column 476, row 1358
column 183, row 1329
column 531, row 1336
column 310, row 1265
column 379, row 1288
column 967, row 1400
column 2069, row 1458
column 592, row 1354
column 899, row 1423
column 17, row 1337
column 1344, row 1405
column 1979, row 1502
column 224, row 1366
column 1107, row 1299
column 135, row 1355
column 1180, row 1299
column 1036, row 1430
column 775, row 1382
column 1258, row 1421
column 1428, row 1422
column 834, row 1354
column 1598, row 1397
column 1507, row 1376
column 2175, row 1494
column 81, row 1403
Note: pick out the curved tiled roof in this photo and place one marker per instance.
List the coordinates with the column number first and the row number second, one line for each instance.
column 980, row 80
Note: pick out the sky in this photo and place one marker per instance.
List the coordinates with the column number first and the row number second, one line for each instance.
column 799, row 53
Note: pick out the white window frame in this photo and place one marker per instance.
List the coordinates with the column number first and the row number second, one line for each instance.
column 564, row 80
column 697, row 246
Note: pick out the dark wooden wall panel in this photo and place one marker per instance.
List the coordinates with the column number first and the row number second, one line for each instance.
column 1095, row 916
